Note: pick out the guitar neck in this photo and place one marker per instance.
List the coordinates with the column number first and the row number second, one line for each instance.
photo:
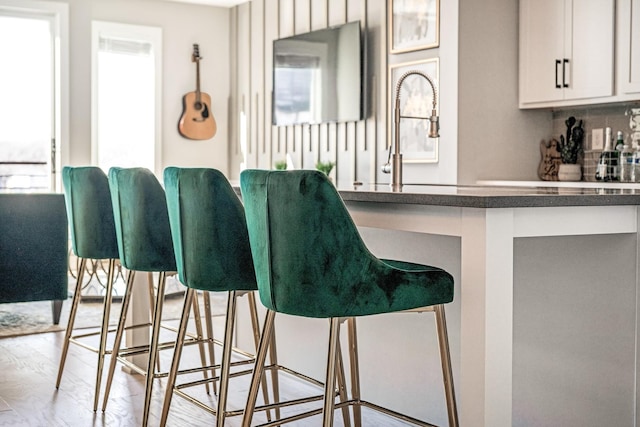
column 198, row 81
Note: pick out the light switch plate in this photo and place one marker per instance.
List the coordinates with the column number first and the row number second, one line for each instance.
column 597, row 139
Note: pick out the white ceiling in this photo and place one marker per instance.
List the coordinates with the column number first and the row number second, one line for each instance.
column 219, row 3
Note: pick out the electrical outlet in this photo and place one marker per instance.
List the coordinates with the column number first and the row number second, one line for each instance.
column 597, row 139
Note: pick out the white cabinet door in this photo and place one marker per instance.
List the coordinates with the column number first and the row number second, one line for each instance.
column 542, row 24
column 566, row 51
column 591, row 53
column 629, row 46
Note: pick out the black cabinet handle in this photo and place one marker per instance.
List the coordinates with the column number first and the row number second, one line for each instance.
column 557, row 84
column 564, row 71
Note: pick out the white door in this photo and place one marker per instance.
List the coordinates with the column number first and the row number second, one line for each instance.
column 27, row 136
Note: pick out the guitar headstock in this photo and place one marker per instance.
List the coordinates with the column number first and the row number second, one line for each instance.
column 195, row 56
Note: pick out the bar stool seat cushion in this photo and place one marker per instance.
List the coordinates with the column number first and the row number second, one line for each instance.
column 300, row 255
column 210, row 233
column 145, row 243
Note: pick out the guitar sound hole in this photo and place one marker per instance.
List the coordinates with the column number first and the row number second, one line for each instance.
column 204, row 114
column 197, row 105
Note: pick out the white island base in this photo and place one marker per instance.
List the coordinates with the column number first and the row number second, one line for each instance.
column 543, row 327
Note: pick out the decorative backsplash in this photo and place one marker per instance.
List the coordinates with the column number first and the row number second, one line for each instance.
column 618, row 118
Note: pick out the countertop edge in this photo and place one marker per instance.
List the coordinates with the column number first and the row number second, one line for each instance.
column 491, row 201
column 486, row 197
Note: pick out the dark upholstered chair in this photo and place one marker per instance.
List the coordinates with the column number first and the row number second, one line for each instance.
column 34, row 249
column 310, row 261
column 93, row 237
column 212, row 255
column 144, row 245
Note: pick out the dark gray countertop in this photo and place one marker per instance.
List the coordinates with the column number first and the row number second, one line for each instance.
column 491, row 196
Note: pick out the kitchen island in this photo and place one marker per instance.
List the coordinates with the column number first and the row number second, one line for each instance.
column 543, row 326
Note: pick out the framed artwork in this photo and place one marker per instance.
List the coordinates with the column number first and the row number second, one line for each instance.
column 416, row 102
column 414, row 25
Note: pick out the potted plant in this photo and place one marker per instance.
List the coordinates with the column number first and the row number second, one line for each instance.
column 325, row 167
column 570, row 149
column 280, row 165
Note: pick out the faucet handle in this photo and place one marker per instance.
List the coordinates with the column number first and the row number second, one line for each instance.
column 386, row 168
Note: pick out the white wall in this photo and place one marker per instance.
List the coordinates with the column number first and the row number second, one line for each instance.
column 445, row 171
column 182, row 25
column 496, row 140
column 483, row 133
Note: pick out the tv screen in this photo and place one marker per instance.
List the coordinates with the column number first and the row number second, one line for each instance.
column 317, row 77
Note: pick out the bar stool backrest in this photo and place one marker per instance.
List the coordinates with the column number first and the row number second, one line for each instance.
column 90, row 212
column 142, row 221
column 310, row 259
column 209, row 230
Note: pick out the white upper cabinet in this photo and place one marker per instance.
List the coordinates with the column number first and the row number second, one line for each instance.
column 566, row 52
column 628, row 48
column 542, row 39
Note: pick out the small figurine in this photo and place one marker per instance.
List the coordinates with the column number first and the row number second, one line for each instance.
column 549, row 160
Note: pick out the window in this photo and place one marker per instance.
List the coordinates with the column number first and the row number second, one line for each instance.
column 33, row 76
column 126, row 103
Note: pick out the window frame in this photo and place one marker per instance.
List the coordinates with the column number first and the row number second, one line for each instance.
column 149, row 34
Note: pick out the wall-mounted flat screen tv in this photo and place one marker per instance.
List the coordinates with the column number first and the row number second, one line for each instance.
column 317, row 77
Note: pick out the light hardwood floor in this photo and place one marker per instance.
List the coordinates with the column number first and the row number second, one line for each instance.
column 28, row 397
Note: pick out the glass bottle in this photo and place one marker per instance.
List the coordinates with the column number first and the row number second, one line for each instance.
column 619, row 141
column 635, row 177
column 607, row 169
column 627, row 164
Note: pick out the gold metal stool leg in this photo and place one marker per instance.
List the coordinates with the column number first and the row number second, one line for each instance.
column 275, row 379
column 152, row 298
column 445, row 358
column 342, row 389
column 355, row 371
column 153, row 347
column 273, row 356
column 199, row 336
column 330, row 380
column 261, row 356
column 72, row 319
column 175, row 364
column 226, row 359
column 342, row 384
column 118, row 338
column 104, row 331
column 208, row 322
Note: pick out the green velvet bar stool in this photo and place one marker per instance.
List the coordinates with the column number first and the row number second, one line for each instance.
column 310, row 261
column 93, row 237
column 144, row 245
column 212, row 254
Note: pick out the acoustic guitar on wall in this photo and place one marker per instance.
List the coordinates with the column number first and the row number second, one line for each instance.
column 196, row 121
